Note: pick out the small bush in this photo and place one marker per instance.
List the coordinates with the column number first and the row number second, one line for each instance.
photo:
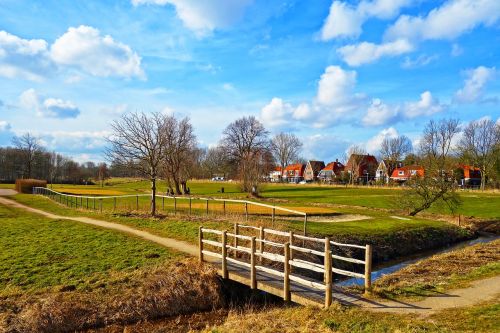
column 26, row 185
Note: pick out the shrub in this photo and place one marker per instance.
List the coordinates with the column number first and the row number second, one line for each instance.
column 26, row 185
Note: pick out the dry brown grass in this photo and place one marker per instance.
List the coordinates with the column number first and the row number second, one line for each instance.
column 26, row 185
column 162, row 292
column 453, row 269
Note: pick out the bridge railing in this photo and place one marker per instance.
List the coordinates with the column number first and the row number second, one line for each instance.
column 201, row 204
column 281, row 254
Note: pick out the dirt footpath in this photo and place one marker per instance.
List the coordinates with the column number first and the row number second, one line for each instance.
column 5, row 191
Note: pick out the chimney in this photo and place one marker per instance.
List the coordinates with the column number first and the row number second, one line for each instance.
column 337, row 160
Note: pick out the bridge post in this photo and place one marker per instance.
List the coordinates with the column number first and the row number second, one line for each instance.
column 224, row 254
column 261, row 244
column 253, row 275
column 291, row 250
column 286, row 278
column 328, row 273
column 368, row 269
column 200, row 243
column 305, row 225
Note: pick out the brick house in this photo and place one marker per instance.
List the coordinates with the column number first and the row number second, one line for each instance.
column 382, row 173
column 312, row 170
column 362, row 167
column 294, row 173
column 331, row 171
column 403, row 174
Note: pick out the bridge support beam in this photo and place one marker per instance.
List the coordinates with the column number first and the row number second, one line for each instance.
column 286, row 279
column 224, row 254
column 368, row 269
column 328, row 273
column 253, row 273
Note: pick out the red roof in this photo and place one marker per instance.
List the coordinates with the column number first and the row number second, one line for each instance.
column 334, row 166
column 294, row 167
column 407, row 172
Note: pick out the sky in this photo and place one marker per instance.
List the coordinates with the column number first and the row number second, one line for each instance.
column 335, row 73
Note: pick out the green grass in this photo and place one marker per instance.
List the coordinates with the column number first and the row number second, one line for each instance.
column 39, row 253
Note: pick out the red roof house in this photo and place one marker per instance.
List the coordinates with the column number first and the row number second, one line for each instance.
column 294, row 173
column 404, row 173
column 331, row 170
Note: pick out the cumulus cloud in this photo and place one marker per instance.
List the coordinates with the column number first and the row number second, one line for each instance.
column 474, row 84
column 345, row 20
column 324, row 147
column 24, row 58
column 380, row 113
column 203, row 17
column 85, row 48
column 276, row 113
column 450, row 20
column 365, row 52
column 373, row 145
column 335, row 86
column 48, row 107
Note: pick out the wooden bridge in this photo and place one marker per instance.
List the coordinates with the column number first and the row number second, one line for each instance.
column 283, row 263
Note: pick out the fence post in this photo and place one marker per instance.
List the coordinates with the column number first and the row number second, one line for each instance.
column 137, row 203
column 87, row 203
column 272, row 217
column 328, row 273
column 246, row 211
column 224, row 254
column 305, row 225
column 200, row 243
column 94, row 203
column 368, row 269
column 224, row 207
column 100, row 204
column 207, row 207
column 175, row 205
column 236, row 229
column 253, row 275
column 261, row 244
column 114, row 203
column 162, row 203
column 291, row 250
column 189, row 205
column 286, row 278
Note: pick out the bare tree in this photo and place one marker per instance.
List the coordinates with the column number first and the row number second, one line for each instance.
column 244, row 141
column 215, row 162
column 285, row 148
column 436, row 186
column 29, row 146
column 355, row 156
column 102, row 173
column 179, row 152
column 479, row 145
column 138, row 140
column 393, row 150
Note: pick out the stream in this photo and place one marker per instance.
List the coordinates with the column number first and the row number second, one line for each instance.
column 395, row 265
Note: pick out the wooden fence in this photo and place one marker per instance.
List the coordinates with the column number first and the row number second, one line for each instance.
column 265, row 255
column 96, row 203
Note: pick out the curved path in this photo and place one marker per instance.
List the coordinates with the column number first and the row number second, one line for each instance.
column 479, row 291
column 167, row 242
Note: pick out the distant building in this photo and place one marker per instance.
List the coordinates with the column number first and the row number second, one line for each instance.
column 276, row 175
column 312, row 170
column 470, row 176
column 382, row 173
column 362, row 167
column 331, row 171
column 403, row 174
column 294, row 173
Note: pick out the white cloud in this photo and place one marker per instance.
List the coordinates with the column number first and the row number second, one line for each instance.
column 276, row 113
column 23, row 58
column 452, row 19
column 228, row 87
column 302, row 112
column 85, row 48
column 324, row 147
column 473, row 88
column 456, row 50
column 49, row 107
column 420, row 61
column 380, row 113
column 4, row 126
column 373, row 144
column 426, row 106
column 6, row 133
column 365, row 52
column 335, row 86
column 203, row 17
column 345, row 20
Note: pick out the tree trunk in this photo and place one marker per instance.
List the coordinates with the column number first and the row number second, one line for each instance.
column 153, row 196
column 184, row 187
column 483, row 180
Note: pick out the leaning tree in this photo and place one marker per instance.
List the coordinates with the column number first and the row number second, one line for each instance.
column 138, row 140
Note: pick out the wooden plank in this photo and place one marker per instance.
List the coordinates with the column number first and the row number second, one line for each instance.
column 213, row 254
column 348, row 245
column 312, row 239
column 356, row 261
column 270, row 243
column 270, row 271
column 239, row 248
column 347, row 273
column 212, row 231
column 272, row 256
column 307, row 283
column 307, row 265
column 238, row 262
column 213, row 243
column 276, row 232
column 304, row 250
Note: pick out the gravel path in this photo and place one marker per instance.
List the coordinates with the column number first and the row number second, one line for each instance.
column 5, row 191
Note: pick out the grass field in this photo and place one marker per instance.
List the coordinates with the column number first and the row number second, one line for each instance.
column 39, row 253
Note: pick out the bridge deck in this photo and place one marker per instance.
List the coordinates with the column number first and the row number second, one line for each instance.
column 274, row 285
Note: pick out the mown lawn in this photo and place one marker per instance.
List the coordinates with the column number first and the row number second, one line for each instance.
column 39, row 253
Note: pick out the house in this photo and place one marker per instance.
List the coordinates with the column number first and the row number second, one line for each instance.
column 470, row 176
column 331, row 171
column 294, row 173
column 402, row 174
column 384, row 169
column 312, row 170
column 362, row 167
column 276, row 175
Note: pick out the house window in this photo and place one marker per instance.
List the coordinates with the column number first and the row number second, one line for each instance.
column 401, row 173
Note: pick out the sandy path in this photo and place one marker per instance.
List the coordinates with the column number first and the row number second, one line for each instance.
column 479, row 291
column 167, row 242
column 5, row 191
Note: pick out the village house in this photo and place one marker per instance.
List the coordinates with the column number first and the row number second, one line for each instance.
column 294, row 173
column 331, row 171
column 276, row 175
column 403, row 174
column 312, row 170
column 382, row 173
column 362, row 167
column 470, row 176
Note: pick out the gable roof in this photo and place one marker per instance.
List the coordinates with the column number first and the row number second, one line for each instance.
column 294, row 167
column 407, row 171
column 316, row 166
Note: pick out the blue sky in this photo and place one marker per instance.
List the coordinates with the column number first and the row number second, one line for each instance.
column 336, row 73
